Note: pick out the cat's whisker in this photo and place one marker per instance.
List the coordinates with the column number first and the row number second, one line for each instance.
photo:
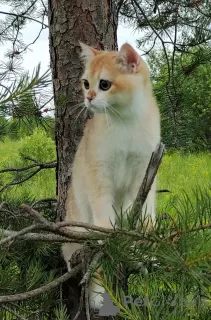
column 115, row 113
column 77, row 104
column 80, row 112
column 109, row 117
column 106, row 116
column 110, row 109
column 76, row 107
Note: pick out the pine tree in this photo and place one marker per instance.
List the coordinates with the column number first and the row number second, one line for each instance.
column 179, row 29
column 22, row 96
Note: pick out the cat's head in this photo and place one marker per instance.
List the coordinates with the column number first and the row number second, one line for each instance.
column 113, row 79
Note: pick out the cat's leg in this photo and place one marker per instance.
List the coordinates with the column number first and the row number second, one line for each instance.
column 100, row 197
column 103, row 213
column 103, row 216
column 76, row 210
column 67, row 250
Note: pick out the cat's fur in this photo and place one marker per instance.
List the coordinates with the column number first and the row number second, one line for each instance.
column 117, row 144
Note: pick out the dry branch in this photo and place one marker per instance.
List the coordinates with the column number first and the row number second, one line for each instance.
column 36, row 236
column 18, row 234
column 151, row 172
column 34, row 214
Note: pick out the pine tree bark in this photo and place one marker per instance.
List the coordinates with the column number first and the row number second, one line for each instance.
column 93, row 22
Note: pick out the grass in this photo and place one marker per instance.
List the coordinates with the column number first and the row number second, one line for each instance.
column 181, row 173
column 40, row 186
column 178, row 173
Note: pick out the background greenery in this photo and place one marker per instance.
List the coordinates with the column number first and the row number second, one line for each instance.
column 180, row 170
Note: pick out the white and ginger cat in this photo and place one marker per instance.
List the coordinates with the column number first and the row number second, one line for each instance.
column 117, row 144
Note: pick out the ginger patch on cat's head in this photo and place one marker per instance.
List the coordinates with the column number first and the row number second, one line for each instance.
column 112, row 77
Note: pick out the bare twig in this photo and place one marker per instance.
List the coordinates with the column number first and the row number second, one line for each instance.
column 50, row 286
column 91, row 267
column 18, row 234
column 16, row 17
column 2, row 205
column 33, row 213
column 87, row 302
column 23, row 16
column 36, row 236
column 81, row 304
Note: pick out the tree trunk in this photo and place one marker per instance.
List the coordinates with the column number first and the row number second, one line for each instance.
column 93, row 22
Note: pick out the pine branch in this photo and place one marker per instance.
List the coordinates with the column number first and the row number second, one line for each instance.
column 59, row 227
column 18, row 234
column 36, row 236
column 48, row 287
column 91, row 267
column 39, row 167
column 17, row 316
column 23, row 16
column 179, row 233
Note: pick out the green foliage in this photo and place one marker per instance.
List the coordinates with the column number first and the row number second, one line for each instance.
column 183, row 24
column 15, row 129
column 23, row 128
column 175, row 36
column 23, row 101
column 61, row 313
column 26, row 266
column 3, row 127
column 38, row 146
column 185, row 103
column 173, row 278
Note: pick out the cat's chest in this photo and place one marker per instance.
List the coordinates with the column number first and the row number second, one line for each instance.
column 124, row 143
column 125, row 153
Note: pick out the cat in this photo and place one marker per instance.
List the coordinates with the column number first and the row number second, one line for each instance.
column 117, row 144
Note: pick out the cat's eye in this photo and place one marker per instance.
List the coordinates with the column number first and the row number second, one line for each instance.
column 86, row 84
column 105, row 85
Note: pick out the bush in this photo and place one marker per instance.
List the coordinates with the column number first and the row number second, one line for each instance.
column 38, row 146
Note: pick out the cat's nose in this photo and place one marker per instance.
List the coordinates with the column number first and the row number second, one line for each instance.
column 90, row 98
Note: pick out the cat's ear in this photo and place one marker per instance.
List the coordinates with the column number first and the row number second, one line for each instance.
column 87, row 52
column 129, row 58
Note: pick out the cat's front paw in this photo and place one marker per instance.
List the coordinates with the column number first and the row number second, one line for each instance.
column 95, row 295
